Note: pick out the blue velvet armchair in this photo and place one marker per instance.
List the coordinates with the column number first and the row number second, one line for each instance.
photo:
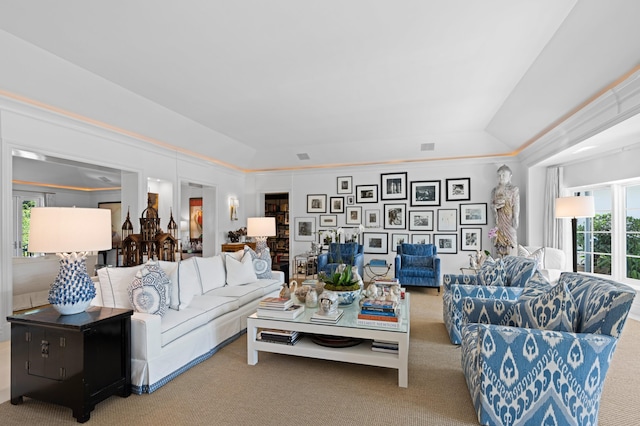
column 347, row 253
column 418, row 265
column 543, row 359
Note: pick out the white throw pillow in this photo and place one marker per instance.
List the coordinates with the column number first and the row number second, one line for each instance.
column 212, row 274
column 185, row 285
column 536, row 255
column 148, row 290
column 114, row 286
column 240, row 272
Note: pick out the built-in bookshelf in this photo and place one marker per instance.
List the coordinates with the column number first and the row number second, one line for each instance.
column 277, row 205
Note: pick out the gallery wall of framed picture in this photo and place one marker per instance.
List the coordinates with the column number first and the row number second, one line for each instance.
column 400, row 207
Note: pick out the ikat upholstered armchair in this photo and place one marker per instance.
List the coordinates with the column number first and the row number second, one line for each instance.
column 546, row 358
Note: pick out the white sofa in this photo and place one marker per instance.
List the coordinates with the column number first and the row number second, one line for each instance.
column 554, row 262
column 208, row 308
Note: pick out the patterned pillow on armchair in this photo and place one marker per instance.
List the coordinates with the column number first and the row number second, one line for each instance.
column 492, row 273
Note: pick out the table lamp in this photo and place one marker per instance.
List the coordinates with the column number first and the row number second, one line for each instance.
column 575, row 207
column 70, row 233
column 260, row 228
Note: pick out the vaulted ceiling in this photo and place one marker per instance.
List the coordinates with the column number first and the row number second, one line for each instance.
column 343, row 81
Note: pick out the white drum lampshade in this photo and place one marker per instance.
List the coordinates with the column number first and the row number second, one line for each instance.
column 261, row 228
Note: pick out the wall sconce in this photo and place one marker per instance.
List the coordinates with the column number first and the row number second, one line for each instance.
column 233, row 208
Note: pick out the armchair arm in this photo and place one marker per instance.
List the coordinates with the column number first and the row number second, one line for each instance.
column 487, row 311
column 436, row 270
column 358, row 261
column 323, row 260
column 449, row 279
column 513, row 373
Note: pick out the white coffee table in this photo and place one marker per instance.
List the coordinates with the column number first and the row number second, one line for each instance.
column 346, row 327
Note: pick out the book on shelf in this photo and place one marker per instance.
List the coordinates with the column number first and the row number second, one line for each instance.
column 292, row 312
column 379, row 304
column 384, row 344
column 387, row 350
column 277, row 336
column 328, row 319
column 378, row 317
column 279, row 303
column 378, row 323
column 393, row 313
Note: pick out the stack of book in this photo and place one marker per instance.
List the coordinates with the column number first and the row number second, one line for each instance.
column 327, row 318
column 380, row 313
column 285, row 337
column 277, row 307
column 382, row 346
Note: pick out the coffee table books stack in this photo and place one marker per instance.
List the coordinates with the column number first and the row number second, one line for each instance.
column 379, row 313
column 325, row 318
column 285, row 337
column 278, row 307
column 384, row 346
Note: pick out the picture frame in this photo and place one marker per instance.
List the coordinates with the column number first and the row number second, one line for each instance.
column 353, row 215
column 395, row 216
column 316, row 203
column 420, row 238
column 425, row 193
column 458, row 189
column 421, row 220
column 447, row 220
column 351, row 200
column 345, row 185
column 366, row 193
column 473, row 213
column 305, row 229
column 375, row 242
column 328, row 220
column 397, row 239
column 325, row 234
column 393, row 186
column 446, row 243
column 470, row 239
column 372, row 218
column 336, row 204
column 349, row 231
column 195, row 218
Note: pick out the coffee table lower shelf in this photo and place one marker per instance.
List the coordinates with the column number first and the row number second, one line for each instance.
column 359, row 354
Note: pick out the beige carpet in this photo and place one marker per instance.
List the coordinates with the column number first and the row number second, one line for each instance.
column 285, row 390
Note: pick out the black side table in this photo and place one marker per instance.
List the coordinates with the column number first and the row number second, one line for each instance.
column 72, row 360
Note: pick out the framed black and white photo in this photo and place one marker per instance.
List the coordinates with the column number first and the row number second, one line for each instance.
column 316, row 203
column 328, row 220
column 325, row 237
column 366, row 193
column 393, row 186
column 305, row 229
column 420, row 238
column 420, row 220
column 425, row 193
column 372, row 218
column 353, row 215
column 395, row 216
column 470, row 239
column 446, row 243
column 397, row 239
column 375, row 242
column 336, row 204
column 345, row 185
column 473, row 214
column 459, row 189
column 447, row 220
column 351, row 200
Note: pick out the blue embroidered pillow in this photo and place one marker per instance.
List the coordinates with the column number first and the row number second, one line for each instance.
column 554, row 310
column 147, row 291
column 416, row 261
column 261, row 262
column 492, row 273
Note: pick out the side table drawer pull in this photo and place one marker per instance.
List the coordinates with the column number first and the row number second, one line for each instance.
column 44, row 349
column 63, row 342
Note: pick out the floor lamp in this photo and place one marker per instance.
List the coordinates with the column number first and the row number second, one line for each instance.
column 573, row 208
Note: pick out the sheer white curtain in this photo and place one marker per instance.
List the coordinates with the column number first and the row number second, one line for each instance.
column 552, row 232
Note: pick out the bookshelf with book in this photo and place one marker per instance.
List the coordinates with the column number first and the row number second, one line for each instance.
column 277, row 205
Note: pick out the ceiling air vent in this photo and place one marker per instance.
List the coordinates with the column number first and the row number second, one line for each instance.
column 303, row 156
column 427, row 147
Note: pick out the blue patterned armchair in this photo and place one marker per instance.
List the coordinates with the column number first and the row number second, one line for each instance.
column 505, row 280
column 545, row 359
column 347, row 253
column 418, row 265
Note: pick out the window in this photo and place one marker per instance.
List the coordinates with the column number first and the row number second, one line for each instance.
column 632, row 197
column 594, row 235
column 23, row 203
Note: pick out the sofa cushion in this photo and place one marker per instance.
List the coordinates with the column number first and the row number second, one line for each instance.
column 176, row 324
column 148, row 290
column 240, row 272
column 554, row 310
column 114, row 286
column 185, row 284
column 535, row 255
column 243, row 293
column 211, row 271
column 268, row 286
column 492, row 273
column 213, row 305
column 261, row 261
column 409, row 260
